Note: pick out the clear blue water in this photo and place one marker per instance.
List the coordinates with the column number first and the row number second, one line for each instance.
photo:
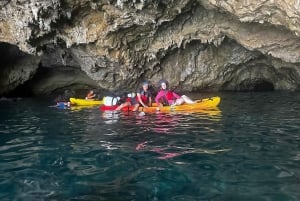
column 249, row 149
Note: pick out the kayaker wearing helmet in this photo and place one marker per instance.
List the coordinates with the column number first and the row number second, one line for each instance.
column 168, row 97
column 143, row 98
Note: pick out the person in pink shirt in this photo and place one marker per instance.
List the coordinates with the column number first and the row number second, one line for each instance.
column 168, row 97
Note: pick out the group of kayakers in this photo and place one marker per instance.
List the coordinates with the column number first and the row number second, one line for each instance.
column 143, row 97
column 164, row 97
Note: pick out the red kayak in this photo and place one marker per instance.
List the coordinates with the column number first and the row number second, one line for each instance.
column 105, row 108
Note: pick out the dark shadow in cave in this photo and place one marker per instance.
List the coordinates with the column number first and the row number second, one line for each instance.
column 263, row 85
column 10, row 57
column 9, row 54
column 255, row 85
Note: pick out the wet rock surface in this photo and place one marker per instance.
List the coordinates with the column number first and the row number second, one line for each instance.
column 114, row 45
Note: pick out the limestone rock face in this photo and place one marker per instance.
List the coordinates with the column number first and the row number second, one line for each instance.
column 115, row 44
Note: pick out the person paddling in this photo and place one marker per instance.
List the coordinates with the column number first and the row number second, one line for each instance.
column 168, row 97
column 90, row 95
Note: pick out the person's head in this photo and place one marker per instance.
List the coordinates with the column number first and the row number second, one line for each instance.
column 91, row 91
column 163, row 84
column 145, row 85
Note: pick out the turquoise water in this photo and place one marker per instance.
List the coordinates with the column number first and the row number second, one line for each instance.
column 249, row 149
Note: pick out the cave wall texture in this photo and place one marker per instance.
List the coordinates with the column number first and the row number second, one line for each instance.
column 198, row 45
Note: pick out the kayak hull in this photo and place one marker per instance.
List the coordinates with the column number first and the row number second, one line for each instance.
column 79, row 101
column 206, row 103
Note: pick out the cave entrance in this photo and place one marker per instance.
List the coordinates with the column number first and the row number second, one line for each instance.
column 263, row 85
column 255, row 85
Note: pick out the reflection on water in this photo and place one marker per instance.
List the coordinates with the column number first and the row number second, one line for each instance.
column 171, row 151
column 248, row 148
column 110, row 117
column 82, row 107
column 212, row 114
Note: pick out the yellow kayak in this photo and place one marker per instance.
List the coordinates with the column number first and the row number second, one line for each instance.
column 203, row 104
column 80, row 101
column 206, row 103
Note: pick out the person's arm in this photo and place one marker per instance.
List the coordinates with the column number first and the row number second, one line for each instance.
column 140, row 100
column 157, row 98
column 90, row 96
column 159, row 95
column 176, row 95
column 150, row 101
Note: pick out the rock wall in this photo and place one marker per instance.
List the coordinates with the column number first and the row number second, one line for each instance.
column 115, row 44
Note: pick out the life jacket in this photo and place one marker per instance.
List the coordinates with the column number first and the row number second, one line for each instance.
column 144, row 95
column 169, row 95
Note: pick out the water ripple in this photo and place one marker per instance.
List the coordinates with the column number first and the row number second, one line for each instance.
column 247, row 149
